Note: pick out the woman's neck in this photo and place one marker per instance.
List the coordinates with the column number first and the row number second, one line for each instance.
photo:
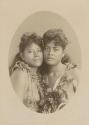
column 59, row 68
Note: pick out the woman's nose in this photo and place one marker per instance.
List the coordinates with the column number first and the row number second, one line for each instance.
column 51, row 52
column 36, row 54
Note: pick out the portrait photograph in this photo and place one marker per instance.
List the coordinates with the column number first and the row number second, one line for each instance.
column 44, row 70
column 44, row 62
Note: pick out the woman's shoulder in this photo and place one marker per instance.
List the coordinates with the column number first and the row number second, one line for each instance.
column 72, row 69
column 18, row 73
column 20, row 66
column 19, row 82
column 71, row 76
column 19, row 77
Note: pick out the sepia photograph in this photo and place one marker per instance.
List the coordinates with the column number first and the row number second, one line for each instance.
column 44, row 70
column 44, row 62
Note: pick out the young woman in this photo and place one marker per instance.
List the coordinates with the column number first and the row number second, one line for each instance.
column 24, row 71
column 60, row 80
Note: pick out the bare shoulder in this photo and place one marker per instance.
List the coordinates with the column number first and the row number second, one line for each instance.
column 73, row 70
column 18, row 74
column 19, row 79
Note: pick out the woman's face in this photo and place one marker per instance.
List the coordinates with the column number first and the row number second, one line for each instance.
column 33, row 55
column 53, row 53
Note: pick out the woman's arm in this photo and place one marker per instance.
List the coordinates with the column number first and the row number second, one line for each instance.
column 18, row 79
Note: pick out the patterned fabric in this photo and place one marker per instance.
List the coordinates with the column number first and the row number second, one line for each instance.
column 38, row 96
column 55, row 98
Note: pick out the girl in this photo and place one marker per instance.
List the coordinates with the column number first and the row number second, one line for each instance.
column 24, row 71
column 59, row 78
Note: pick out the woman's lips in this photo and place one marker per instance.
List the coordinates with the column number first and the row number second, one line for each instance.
column 50, row 58
column 38, row 59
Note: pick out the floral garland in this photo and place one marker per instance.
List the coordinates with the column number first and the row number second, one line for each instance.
column 54, row 98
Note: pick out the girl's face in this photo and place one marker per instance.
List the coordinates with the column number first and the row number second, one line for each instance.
column 33, row 55
column 53, row 53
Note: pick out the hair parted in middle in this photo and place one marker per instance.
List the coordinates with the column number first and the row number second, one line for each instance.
column 57, row 35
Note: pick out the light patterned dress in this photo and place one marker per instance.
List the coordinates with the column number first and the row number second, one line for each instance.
column 57, row 97
column 23, row 77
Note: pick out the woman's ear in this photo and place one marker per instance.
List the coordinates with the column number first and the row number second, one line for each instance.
column 63, row 54
column 21, row 55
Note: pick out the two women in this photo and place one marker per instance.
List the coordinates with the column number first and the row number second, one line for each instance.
column 48, row 88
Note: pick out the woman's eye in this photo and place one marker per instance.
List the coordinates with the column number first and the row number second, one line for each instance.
column 46, row 48
column 56, row 49
column 39, row 50
column 30, row 51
